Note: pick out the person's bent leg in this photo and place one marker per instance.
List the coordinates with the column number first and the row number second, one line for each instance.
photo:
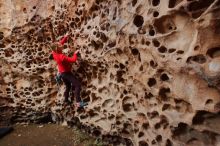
column 67, row 83
column 77, row 87
column 77, row 92
column 67, row 91
column 76, row 84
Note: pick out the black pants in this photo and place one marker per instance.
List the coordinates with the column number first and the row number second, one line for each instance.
column 70, row 80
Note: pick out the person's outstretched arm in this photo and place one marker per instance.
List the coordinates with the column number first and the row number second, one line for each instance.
column 63, row 40
column 71, row 59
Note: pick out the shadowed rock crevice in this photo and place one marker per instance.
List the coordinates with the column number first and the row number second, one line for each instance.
column 138, row 20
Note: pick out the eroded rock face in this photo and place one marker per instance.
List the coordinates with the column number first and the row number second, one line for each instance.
column 149, row 68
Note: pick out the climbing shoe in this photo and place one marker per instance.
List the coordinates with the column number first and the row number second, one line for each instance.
column 81, row 104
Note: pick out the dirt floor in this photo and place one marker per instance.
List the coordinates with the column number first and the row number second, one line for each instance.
column 47, row 135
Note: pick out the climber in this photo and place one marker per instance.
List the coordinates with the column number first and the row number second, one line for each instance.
column 64, row 69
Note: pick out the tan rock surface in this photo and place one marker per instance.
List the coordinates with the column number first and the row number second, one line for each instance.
column 149, row 68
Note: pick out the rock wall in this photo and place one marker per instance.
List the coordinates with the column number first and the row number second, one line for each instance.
column 149, row 68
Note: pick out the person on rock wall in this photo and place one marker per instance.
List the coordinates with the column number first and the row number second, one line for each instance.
column 64, row 64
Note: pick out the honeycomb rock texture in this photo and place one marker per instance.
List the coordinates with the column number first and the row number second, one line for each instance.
column 150, row 69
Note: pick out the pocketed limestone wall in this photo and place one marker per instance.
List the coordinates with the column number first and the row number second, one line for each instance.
column 149, row 68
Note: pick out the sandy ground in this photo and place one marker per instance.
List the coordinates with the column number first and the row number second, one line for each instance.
column 46, row 135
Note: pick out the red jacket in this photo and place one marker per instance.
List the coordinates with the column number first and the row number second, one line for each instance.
column 64, row 62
